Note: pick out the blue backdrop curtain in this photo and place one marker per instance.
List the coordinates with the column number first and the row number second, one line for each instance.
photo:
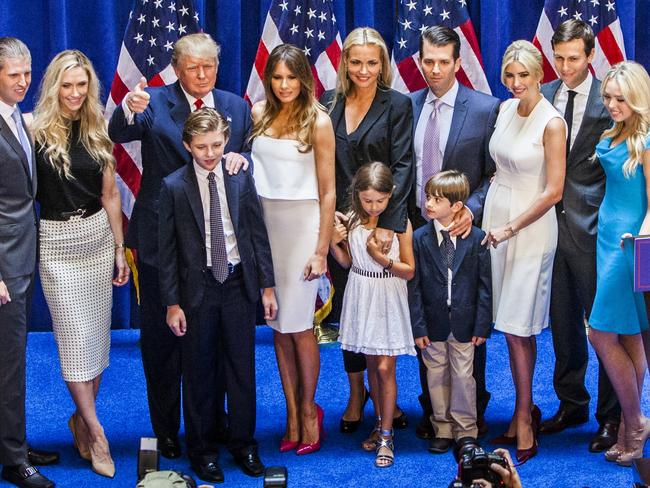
column 96, row 27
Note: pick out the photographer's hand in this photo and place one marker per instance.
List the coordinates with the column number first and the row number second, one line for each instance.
column 510, row 476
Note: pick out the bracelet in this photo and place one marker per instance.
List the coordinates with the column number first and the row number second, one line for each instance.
column 389, row 265
column 510, row 231
column 119, row 246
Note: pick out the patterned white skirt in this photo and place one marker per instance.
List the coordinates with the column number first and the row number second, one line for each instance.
column 76, row 267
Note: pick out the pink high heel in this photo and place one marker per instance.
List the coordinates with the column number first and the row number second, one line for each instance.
column 286, row 446
column 304, row 448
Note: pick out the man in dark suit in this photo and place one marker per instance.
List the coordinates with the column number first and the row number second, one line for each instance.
column 451, row 308
column 215, row 258
column 18, row 234
column 156, row 117
column 452, row 129
column 577, row 95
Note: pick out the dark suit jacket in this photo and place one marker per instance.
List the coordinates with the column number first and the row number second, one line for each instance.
column 467, row 149
column 385, row 135
column 182, row 258
column 471, row 289
column 584, row 183
column 160, row 129
column 18, row 221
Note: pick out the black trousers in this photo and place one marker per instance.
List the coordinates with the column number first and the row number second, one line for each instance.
column 219, row 347
column 13, row 342
column 572, row 294
column 161, row 358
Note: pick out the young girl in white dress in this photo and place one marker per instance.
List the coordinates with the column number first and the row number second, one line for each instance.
column 375, row 317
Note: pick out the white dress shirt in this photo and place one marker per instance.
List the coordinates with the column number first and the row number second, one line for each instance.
column 445, row 114
column 438, row 226
column 7, row 111
column 228, row 229
column 208, row 101
column 579, row 103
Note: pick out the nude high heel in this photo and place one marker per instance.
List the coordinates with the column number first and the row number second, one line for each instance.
column 101, row 460
column 80, row 441
column 634, row 443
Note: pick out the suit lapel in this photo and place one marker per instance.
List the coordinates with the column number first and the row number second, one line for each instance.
column 457, row 121
column 461, row 249
column 593, row 111
column 191, row 188
column 7, row 133
column 418, row 102
column 337, row 111
column 378, row 106
column 232, row 195
column 179, row 109
column 432, row 246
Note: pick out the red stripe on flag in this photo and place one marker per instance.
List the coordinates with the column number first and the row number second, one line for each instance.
column 334, row 53
column 118, row 89
column 127, row 169
column 549, row 72
column 261, row 58
column 468, row 30
column 462, row 78
column 156, row 81
column 609, row 46
column 319, row 89
column 411, row 75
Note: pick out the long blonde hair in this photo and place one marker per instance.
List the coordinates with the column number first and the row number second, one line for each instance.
column 362, row 36
column 634, row 83
column 306, row 106
column 52, row 128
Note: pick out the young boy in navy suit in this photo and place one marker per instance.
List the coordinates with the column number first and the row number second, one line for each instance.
column 450, row 300
column 214, row 258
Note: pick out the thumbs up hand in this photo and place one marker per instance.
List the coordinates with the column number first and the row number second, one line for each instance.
column 138, row 99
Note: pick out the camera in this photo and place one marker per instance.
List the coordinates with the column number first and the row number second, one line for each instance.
column 474, row 463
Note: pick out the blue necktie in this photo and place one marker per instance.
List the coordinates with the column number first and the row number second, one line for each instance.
column 22, row 137
column 447, row 249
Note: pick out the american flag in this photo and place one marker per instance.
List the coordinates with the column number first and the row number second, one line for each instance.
column 600, row 14
column 413, row 17
column 154, row 26
column 307, row 24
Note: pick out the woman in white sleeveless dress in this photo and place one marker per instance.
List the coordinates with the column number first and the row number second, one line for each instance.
column 293, row 157
column 528, row 146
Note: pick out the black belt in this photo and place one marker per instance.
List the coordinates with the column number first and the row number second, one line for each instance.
column 83, row 212
column 371, row 274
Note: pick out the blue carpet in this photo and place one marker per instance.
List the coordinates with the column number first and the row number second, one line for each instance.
column 563, row 460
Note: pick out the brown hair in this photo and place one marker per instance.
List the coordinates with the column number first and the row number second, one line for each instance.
column 439, row 36
column 573, row 29
column 205, row 120
column 307, row 107
column 452, row 185
column 371, row 176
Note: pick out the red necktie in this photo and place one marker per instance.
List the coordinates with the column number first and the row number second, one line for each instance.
column 198, row 103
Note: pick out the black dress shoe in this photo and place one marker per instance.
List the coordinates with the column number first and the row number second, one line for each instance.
column 605, row 437
column 38, row 457
column 169, row 447
column 562, row 420
column 249, row 462
column 424, row 429
column 440, row 445
column 208, row 472
column 26, row 476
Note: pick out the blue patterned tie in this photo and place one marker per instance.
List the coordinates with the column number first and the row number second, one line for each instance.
column 22, row 137
column 447, row 249
column 217, row 240
column 431, row 153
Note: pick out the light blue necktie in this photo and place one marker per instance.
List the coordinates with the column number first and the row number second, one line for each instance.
column 22, row 137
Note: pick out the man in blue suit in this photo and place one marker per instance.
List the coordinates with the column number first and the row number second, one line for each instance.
column 461, row 121
column 155, row 117
column 215, row 258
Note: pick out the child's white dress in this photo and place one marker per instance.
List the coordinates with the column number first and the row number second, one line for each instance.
column 375, row 317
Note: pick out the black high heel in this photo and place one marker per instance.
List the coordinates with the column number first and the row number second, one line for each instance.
column 350, row 426
column 400, row 422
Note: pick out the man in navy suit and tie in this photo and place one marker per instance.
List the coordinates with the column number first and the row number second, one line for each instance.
column 452, row 129
column 215, row 258
column 577, row 95
column 18, row 234
column 156, row 117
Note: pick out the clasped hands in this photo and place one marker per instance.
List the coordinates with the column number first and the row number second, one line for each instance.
column 497, row 235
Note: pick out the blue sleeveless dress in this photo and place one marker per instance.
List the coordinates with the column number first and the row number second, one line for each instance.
column 616, row 307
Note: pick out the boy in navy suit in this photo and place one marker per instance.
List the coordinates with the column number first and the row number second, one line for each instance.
column 450, row 300
column 214, row 258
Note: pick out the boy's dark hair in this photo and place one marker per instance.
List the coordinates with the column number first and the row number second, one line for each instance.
column 452, row 185
column 439, row 35
column 573, row 29
column 205, row 120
